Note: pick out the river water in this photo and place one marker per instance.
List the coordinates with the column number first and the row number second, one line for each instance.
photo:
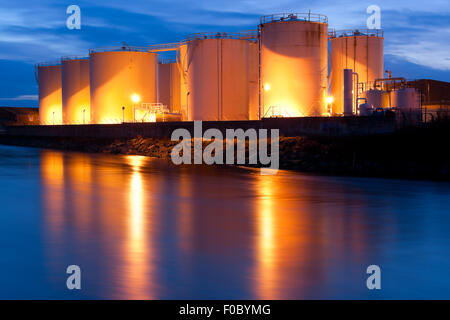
column 142, row 228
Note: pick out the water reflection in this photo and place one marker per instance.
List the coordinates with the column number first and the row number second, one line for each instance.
column 137, row 250
column 141, row 228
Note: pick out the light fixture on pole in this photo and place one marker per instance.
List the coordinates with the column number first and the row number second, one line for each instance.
column 135, row 98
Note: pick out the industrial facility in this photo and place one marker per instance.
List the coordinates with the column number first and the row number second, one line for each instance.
column 281, row 69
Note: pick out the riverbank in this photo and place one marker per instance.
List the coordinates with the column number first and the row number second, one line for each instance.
column 412, row 153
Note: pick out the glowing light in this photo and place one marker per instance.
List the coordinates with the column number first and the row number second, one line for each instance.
column 135, row 98
column 266, row 87
column 330, row 100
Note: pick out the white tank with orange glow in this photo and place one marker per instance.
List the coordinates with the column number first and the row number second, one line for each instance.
column 377, row 98
column 294, row 65
column 218, row 76
column 169, row 90
column 120, row 81
column 75, row 90
column 405, row 99
column 50, row 99
column 361, row 51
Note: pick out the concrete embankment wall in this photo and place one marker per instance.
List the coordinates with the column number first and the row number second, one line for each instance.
column 289, row 127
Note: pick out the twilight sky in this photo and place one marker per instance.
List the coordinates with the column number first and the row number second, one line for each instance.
column 417, row 33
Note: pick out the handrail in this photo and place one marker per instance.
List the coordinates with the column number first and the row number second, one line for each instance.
column 333, row 33
column 277, row 17
column 241, row 35
column 68, row 58
column 150, row 48
column 118, row 48
column 48, row 63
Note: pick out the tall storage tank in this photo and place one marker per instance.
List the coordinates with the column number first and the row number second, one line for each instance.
column 218, row 76
column 360, row 51
column 75, row 90
column 120, row 81
column 169, row 90
column 294, row 64
column 50, row 99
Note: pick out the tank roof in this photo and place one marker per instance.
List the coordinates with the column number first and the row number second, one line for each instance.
column 241, row 35
column 289, row 17
column 355, row 33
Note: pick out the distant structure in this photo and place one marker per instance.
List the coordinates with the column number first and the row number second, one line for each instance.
column 19, row 116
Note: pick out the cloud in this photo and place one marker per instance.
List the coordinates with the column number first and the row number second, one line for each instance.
column 23, row 97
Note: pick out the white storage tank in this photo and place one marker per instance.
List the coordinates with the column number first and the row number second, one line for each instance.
column 218, row 76
column 361, row 51
column 169, row 89
column 405, row 99
column 120, row 80
column 75, row 90
column 50, row 99
column 377, row 98
column 294, row 64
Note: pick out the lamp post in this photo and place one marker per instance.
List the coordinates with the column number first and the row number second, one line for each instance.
column 135, row 98
column 187, row 103
column 329, row 100
column 53, row 117
column 266, row 87
column 123, row 114
column 84, row 112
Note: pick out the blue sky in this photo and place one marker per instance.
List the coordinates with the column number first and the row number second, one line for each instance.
column 417, row 33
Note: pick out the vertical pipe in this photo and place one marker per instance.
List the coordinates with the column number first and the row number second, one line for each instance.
column 348, row 95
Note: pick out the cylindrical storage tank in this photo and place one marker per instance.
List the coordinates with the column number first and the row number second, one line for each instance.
column 169, row 90
column 50, row 99
column 360, row 51
column 294, row 64
column 119, row 82
column 405, row 98
column 218, row 77
column 377, row 98
column 75, row 90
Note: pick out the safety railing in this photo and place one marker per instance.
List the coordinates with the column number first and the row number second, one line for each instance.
column 119, row 48
column 48, row 63
column 241, row 35
column 68, row 58
column 356, row 32
column 278, row 17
